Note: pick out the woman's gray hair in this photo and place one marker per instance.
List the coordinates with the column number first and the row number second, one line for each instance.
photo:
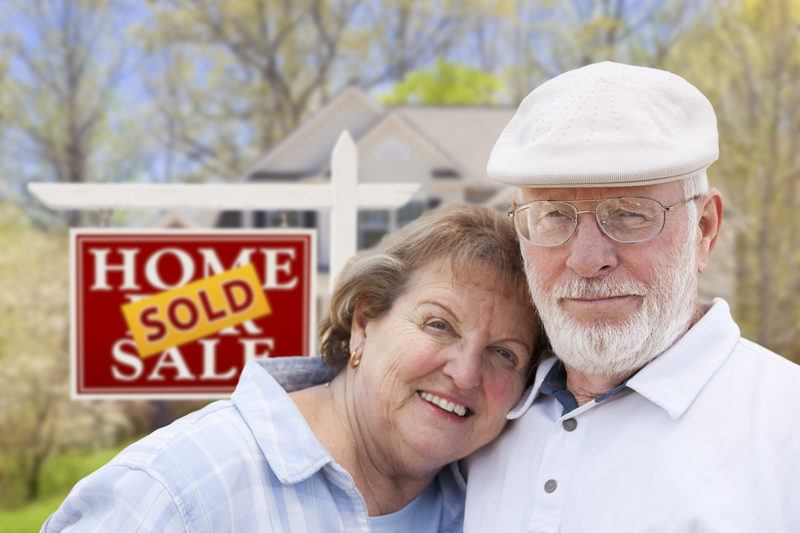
column 457, row 235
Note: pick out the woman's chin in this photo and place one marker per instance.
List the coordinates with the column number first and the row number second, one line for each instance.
column 438, row 436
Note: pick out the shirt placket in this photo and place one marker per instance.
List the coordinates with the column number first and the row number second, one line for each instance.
column 564, row 442
column 351, row 504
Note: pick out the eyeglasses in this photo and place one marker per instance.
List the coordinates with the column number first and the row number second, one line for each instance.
column 627, row 220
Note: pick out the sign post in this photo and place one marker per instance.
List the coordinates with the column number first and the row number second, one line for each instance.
column 344, row 211
column 343, row 195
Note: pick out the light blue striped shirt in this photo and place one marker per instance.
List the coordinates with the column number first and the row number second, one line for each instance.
column 251, row 463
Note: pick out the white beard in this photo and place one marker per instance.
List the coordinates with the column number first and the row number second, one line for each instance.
column 620, row 348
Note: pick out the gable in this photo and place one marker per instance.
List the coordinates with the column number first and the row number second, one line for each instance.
column 308, row 147
column 393, row 151
column 465, row 133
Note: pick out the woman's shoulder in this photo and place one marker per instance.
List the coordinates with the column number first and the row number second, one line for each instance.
column 169, row 479
column 193, row 445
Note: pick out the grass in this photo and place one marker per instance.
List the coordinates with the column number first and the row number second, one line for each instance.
column 29, row 517
column 60, row 473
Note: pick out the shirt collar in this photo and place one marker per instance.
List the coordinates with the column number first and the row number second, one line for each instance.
column 675, row 378
column 533, row 391
column 292, row 450
column 297, row 372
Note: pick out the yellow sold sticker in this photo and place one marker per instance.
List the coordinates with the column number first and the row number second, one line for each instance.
column 195, row 310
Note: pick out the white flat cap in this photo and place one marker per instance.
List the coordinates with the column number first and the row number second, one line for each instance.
column 607, row 125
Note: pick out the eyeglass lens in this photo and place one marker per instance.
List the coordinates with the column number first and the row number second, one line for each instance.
column 625, row 220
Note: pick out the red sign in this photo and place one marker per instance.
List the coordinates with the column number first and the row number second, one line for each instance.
column 112, row 269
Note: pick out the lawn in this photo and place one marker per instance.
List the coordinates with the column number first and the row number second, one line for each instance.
column 59, row 475
column 29, row 518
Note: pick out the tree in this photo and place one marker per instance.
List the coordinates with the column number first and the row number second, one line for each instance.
column 390, row 38
column 745, row 55
column 67, row 62
column 229, row 79
column 552, row 37
column 445, row 83
column 37, row 417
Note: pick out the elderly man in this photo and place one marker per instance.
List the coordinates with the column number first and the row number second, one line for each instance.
column 654, row 414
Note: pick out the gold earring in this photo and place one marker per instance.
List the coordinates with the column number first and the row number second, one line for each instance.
column 355, row 359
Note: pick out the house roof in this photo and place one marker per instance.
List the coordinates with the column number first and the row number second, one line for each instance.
column 307, row 149
column 394, row 122
column 465, row 134
column 461, row 135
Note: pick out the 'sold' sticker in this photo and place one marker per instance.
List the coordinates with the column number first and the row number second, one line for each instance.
column 193, row 311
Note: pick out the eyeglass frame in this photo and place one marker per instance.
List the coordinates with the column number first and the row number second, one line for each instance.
column 515, row 208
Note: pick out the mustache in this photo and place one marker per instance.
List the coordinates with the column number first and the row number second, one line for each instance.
column 598, row 288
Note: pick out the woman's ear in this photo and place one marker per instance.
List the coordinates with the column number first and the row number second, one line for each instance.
column 358, row 330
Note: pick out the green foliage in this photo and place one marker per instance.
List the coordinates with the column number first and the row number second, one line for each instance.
column 445, row 83
column 60, row 475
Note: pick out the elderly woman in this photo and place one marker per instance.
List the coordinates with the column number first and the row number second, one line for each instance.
column 431, row 340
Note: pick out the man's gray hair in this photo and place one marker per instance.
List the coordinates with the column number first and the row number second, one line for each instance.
column 694, row 185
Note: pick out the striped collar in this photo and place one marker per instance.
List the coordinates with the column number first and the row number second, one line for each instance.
column 295, row 454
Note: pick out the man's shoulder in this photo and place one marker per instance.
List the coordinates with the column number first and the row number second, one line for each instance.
column 760, row 376
column 751, row 353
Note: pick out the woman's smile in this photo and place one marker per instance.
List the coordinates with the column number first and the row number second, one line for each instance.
column 441, row 403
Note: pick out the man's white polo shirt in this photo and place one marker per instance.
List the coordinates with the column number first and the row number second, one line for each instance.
column 704, row 438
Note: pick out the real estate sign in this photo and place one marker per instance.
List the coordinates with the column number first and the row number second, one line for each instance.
column 177, row 313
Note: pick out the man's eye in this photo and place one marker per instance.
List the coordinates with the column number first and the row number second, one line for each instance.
column 556, row 214
column 623, row 215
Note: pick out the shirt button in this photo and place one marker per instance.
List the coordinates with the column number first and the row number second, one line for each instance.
column 550, row 486
column 570, row 424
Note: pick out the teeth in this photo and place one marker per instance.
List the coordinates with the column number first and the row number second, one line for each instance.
column 458, row 409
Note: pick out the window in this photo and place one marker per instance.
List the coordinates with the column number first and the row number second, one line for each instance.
column 284, row 219
column 372, row 225
column 409, row 212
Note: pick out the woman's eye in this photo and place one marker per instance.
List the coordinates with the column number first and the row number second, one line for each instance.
column 507, row 356
column 438, row 324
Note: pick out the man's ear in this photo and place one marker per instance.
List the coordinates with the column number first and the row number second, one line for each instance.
column 358, row 330
column 709, row 222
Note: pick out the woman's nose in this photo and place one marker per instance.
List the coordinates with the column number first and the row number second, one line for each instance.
column 464, row 367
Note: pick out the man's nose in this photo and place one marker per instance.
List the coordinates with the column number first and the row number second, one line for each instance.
column 591, row 252
column 464, row 366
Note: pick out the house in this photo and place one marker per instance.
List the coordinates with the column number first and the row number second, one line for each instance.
column 444, row 149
